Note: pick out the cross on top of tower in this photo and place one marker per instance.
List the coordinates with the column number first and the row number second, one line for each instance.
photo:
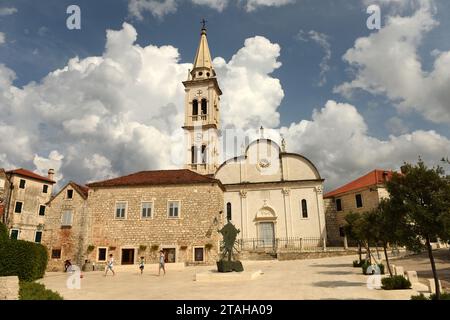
column 203, row 22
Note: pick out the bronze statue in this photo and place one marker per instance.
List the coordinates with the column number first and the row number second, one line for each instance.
column 227, row 263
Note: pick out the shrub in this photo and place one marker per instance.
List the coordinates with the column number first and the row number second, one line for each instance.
column 444, row 296
column 142, row 248
column 395, row 283
column 36, row 291
column 208, row 246
column 154, row 247
column 3, row 233
column 90, row 248
column 24, row 259
column 367, row 264
column 358, row 264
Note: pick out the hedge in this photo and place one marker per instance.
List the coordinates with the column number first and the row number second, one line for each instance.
column 24, row 259
column 444, row 296
column 395, row 283
column 3, row 233
column 37, row 291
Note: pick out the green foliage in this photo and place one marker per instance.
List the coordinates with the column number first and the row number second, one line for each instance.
column 154, row 247
column 395, row 283
column 90, row 248
column 24, row 259
column 208, row 246
column 367, row 264
column 142, row 248
column 444, row 296
column 358, row 264
column 3, row 233
column 36, row 291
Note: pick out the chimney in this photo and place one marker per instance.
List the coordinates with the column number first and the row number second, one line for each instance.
column 51, row 173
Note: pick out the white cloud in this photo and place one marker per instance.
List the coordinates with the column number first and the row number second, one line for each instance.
column 159, row 8
column 7, row 11
column 251, row 96
column 2, row 38
column 254, row 4
column 337, row 140
column 219, row 5
column 388, row 63
column 396, row 125
column 53, row 161
column 323, row 41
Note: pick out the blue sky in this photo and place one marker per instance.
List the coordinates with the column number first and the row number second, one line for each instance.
column 37, row 42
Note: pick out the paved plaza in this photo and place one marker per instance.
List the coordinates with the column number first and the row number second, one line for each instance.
column 328, row 278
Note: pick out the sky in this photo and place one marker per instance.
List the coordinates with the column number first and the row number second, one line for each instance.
column 107, row 99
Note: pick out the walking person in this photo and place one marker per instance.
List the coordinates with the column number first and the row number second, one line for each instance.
column 141, row 265
column 110, row 265
column 162, row 262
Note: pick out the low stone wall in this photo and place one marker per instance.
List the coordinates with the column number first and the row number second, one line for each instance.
column 9, row 288
column 313, row 255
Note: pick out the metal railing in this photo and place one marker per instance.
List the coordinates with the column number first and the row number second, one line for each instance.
column 290, row 244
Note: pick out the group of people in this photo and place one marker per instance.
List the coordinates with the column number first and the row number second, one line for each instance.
column 162, row 262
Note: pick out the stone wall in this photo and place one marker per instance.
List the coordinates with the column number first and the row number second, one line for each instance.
column 28, row 220
column 69, row 239
column 313, row 255
column 201, row 213
column 9, row 288
column 333, row 235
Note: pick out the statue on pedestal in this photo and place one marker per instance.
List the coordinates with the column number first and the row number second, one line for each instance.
column 227, row 262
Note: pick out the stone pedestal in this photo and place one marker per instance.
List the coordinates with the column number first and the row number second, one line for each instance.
column 399, row 271
column 432, row 285
column 412, row 276
column 229, row 266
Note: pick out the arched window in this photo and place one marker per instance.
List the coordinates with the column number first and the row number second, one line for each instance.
column 229, row 211
column 304, row 209
column 193, row 155
column 204, row 106
column 195, row 107
column 203, row 154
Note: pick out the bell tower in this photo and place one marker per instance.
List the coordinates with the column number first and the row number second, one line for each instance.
column 202, row 105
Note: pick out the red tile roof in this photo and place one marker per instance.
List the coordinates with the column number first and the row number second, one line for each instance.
column 373, row 178
column 82, row 190
column 160, row 177
column 26, row 173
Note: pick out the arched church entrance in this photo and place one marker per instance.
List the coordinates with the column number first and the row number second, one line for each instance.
column 265, row 227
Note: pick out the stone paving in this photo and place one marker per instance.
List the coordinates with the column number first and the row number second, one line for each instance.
column 328, row 278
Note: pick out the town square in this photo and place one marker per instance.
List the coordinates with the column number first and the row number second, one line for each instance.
column 173, row 150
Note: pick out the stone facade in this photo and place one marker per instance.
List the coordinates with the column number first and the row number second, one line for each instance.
column 25, row 215
column 66, row 227
column 268, row 191
column 196, row 227
column 4, row 194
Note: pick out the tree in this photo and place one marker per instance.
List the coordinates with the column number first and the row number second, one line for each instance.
column 422, row 196
column 351, row 231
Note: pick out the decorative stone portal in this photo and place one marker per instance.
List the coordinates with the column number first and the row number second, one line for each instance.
column 265, row 227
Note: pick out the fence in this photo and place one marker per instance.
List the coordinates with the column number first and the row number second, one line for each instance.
column 291, row 244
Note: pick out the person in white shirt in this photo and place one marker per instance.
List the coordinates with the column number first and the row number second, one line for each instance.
column 110, row 265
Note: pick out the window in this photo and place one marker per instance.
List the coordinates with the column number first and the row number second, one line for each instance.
column 42, row 210
column 69, row 194
column 199, row 254
column 359, row 202
column 66, row 220
column 45, row 188
column 203, row 154
column 338, row 205
column 341, row 232
column 174, row 209
column 56, row 253
column 147, row 208
column 195, row 107
column 120, row 210
column 194, row 154
column 101, row 254
column 229, row 211
column 14, row 234
column 18, row 207
column 22, row 184
column 304, row 209
column 38, row 236
column 204, row 106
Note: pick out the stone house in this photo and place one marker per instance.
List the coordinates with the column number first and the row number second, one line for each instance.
column 359, row 196
column 27, row 206
column 66, row 226
column 4, row 194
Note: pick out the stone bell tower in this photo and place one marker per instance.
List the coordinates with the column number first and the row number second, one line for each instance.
column 202, row 105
